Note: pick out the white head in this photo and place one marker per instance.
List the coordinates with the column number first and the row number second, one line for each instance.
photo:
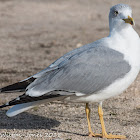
column 120, row 17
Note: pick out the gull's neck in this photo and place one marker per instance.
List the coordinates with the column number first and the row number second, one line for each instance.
column 127, row 33
column 127, row 42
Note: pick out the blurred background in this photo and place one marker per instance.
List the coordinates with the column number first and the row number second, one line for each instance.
column 33, row 34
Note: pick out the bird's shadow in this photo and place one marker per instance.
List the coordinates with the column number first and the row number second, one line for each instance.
column 26, row 121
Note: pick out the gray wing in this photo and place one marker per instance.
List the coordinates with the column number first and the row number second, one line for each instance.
column 59, row 63
column 87, row 71
column 62, row 60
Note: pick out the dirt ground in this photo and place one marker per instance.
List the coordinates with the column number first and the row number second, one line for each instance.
column 34, row 33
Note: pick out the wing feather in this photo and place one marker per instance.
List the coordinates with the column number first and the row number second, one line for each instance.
column 85, row 72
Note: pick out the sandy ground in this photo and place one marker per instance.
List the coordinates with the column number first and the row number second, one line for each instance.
column 33, row 33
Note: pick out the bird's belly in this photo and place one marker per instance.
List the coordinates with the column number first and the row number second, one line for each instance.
column 114, row 89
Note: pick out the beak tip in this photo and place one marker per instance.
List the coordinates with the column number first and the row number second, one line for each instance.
column 129, row 20
column 132, row 23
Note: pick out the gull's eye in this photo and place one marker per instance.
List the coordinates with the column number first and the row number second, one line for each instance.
column 116, row 13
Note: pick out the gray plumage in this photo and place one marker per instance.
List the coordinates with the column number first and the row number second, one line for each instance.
column 86, row 70
column 120, row 7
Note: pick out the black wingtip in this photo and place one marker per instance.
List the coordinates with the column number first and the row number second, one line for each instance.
column 17, row 87
column 4, row 105
column 26, row 98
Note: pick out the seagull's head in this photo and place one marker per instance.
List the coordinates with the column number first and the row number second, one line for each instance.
column 120, row 17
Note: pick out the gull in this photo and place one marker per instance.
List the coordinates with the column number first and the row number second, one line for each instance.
column 91, row 73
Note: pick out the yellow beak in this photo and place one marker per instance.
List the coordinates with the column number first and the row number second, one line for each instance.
column 129, row 20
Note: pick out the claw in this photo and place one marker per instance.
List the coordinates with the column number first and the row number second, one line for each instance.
column 110, row 136
column 91, row 134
